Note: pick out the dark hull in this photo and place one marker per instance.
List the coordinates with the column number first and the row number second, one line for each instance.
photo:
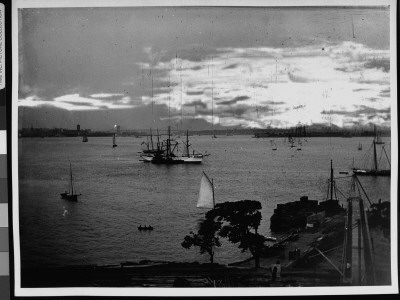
column 372, row 172
column 166, row 161
column 69, row 197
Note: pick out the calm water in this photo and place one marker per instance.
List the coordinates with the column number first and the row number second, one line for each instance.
column 119, row 193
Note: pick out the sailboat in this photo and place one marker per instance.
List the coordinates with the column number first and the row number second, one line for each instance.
column 299, row 144
column 191, row 157
column 274, row 147
column 114, row 144
column 206, row 193
column 374, row 171
column 84, row 138
column 66, row 195
column 359, row 147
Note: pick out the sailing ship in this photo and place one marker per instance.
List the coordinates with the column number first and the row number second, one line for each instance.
column 375, row 170
column 206, row 193
column 193, row 157
column 165, row 152
column 113, row 140
column 148, row 154
column 359, row 147
column 66, row 195
column 84, row 139
column 168, row 156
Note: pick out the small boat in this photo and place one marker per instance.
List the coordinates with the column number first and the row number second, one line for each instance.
column 145, row 228
column 114, row 144
column 270, row 238
column 274, row 147
column 359, row 147
column 84, row 139
column 70, row 196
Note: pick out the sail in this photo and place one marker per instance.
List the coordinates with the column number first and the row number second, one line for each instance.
column 206, row 194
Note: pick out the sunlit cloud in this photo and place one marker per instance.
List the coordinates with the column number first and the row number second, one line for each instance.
column 298, row 84
column 75, row 102
column 259, row 87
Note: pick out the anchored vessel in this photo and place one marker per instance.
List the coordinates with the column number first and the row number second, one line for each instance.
column 113, row 140
column 66, row 195
column 375, row 170
column 165, row 152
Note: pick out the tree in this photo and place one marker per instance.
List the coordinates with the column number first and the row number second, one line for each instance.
column 205, row 238
column 240, row 218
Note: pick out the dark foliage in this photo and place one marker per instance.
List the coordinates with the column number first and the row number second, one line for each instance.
column 239, row 218
column 205, row 238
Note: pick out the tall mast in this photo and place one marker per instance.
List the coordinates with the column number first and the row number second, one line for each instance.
column 212, row 184
column 181, row 102
column 331, row 181
column 151, row 140
column 169, row 142
column 212, row 95
column 70, row 178
column 187, row 142
column 375, row 160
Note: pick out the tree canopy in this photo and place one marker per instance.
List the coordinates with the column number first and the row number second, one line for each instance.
column 206, row 238
column 239, row 218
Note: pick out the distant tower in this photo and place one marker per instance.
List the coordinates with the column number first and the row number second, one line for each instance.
column 78, row 127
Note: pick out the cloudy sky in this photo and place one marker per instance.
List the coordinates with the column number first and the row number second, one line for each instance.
column 247, row 67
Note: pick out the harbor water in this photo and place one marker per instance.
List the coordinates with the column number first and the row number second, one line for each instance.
column 119, row 193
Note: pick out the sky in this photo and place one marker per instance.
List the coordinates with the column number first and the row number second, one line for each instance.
column 203, row 68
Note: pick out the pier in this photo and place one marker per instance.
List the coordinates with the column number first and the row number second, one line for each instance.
column 358, row 265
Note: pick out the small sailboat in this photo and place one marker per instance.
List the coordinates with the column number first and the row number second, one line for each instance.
column 66, row 195
column 274, row 147
column 84, row 139
column 299, row 144
column 359, row 147
column 206, row 193
column 113, row 140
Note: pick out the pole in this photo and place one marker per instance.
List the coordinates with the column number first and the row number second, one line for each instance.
column 331, row 181
column 375, row 161
column 359, row 252
column 333, row 265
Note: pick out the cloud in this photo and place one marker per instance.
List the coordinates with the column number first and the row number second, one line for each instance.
column 383, row 64
column 107, row 96
column 234, row 100
column 298, row 78
column 385, row 93
column 232, row 66
column 197, row 103
column 75, row 102
column 190, row 93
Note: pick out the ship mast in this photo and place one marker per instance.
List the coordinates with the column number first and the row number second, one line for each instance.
column 70, row 178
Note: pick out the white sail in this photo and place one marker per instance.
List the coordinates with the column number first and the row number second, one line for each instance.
column 206, row 194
